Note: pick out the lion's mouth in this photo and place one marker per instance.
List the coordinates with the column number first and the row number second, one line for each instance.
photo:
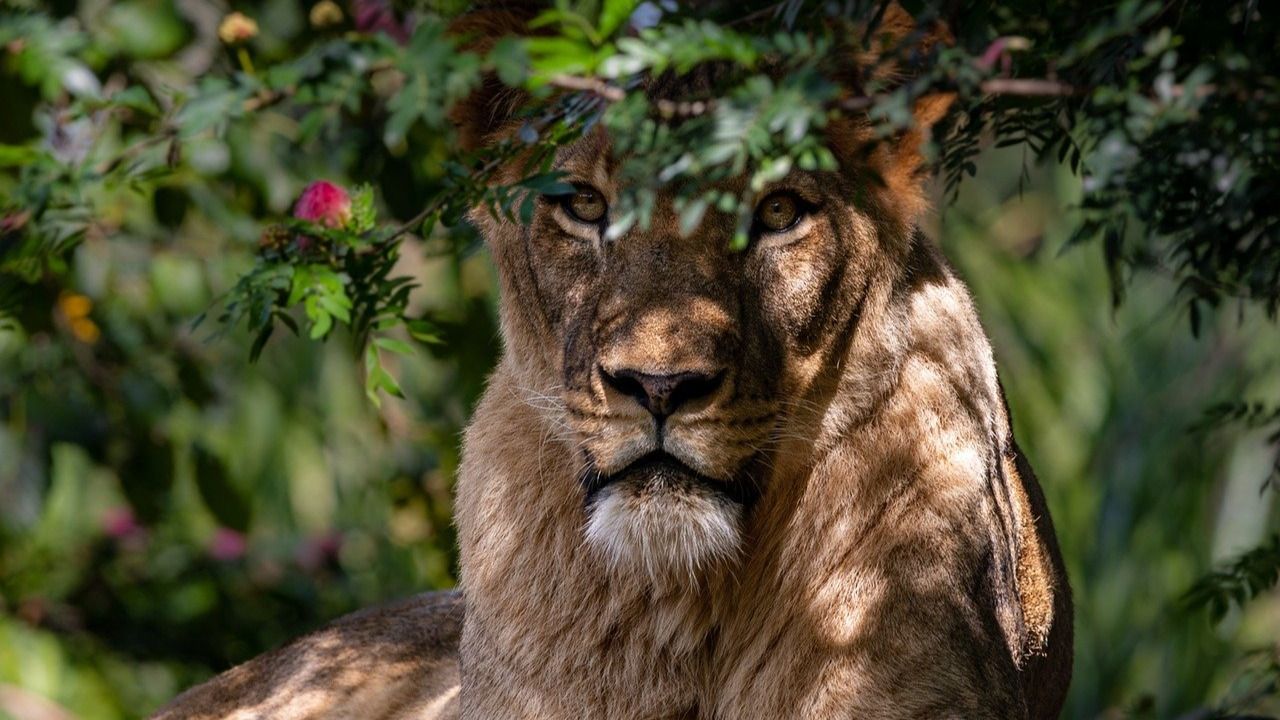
column 660, row 473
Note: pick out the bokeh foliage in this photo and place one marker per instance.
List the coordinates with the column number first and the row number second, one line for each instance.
column 170, row 507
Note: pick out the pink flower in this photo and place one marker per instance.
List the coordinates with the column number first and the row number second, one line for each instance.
column 227, row 545
column 324, row 203
column 377, row 15
column 120, row 523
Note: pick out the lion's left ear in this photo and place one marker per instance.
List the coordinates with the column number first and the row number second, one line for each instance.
column 895, row 50
column 481, row 117
column 892, row 50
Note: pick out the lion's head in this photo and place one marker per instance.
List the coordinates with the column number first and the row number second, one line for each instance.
column 674, row 365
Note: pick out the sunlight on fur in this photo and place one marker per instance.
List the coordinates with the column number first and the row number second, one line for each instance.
column 669, row 531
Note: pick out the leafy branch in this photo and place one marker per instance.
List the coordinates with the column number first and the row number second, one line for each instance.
column 1238, row 581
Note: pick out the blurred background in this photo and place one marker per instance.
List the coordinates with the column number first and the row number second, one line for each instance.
column 168, row 509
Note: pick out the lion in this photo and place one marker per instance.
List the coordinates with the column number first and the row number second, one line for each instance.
column 706, row 484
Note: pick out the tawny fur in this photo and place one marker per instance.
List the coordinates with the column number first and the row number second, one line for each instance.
column 393, row 662
column 899, row 561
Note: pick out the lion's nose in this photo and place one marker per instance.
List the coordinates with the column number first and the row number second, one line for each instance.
column 662, row 394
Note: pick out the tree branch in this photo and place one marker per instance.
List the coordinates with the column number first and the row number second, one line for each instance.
column 1018, row 87
column 1029, row 87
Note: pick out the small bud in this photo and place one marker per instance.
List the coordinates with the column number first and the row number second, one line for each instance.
column 325, row 13
column 274, row 238
column 324, row 203
column 237, row 28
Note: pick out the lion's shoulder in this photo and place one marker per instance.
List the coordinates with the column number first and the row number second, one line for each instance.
column 392, row 661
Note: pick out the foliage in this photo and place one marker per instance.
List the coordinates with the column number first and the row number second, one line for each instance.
column 1136, row 81
column 1250, row 415
column 151, row 152
column 1244, row 578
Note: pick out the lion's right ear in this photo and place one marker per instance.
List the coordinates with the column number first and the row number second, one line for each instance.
column 482, row 116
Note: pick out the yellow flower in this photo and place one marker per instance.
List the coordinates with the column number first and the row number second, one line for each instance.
column 85, row 330
column 237, row 28
column 74, row 306
column 325, row 13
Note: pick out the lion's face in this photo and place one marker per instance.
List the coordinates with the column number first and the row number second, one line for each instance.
column 675, row 362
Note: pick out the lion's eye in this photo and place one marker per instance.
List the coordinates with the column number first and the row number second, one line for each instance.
column 778, row 212
column 586, row 205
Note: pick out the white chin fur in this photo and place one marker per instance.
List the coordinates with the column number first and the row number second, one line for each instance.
column 669, row 535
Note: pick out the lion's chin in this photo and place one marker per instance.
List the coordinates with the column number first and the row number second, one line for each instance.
column 660, row 519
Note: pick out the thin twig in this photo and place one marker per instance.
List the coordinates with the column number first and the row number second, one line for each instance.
column 414, row 222
column 755, row 15
column 1030, row 87
column 595, row 86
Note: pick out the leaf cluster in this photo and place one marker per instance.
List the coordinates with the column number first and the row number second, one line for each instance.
column 1238, row 581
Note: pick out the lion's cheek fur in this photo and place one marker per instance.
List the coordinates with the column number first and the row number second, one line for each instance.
column 861, row 593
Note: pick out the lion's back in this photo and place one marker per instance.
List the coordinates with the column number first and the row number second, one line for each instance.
column 398, row 660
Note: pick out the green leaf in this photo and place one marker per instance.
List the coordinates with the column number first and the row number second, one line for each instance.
column 322, row 323
column 614, row 14
column 424, row 331
column 336, row 305
column 260, row 341
column 364, row 217
column 148, row 30
column 394, row 345
column 215, row 104
column 558, row 55
column 372, row 366
column 692, row 213
column 135, row 98
column 388, row 384
column 509, row 59
column 19, row 155
column 377, row 378
column 551, row 183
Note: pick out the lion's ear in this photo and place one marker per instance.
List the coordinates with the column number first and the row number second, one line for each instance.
column 891, row 50
column 482, row 115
